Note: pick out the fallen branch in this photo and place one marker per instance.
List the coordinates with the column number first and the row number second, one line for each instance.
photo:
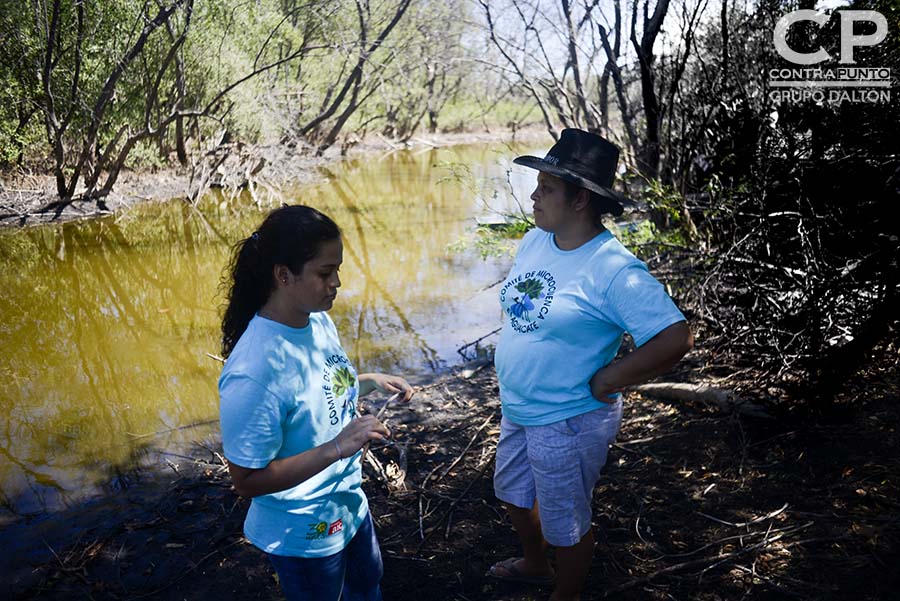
column 679, row 567
column 725, row 400
column 461, row 349
column 465, row 450
column 739, row 537
column 453, row 505
column 745, row 524
column 469, row 372
column 175, row 429
column 190, row 569
column 425, row 142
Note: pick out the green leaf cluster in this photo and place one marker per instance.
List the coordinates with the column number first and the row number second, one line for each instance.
column 532, row 288
column 343, row 380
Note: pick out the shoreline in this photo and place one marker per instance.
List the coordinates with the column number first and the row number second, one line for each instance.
column 274, row 167
column 175, row 452
column 194, row 486
column 167, row 186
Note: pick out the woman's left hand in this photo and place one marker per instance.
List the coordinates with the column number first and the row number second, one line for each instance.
column 602, row 390
column 387, row 384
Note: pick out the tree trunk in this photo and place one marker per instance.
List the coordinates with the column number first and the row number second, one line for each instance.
column 180, row 145
column 724, row 41
column 611, row 60
column 581, row 99
column 650, row 151
column 108, row 91
column 356, row 75
column 620, row 89
column 835, row 366
column 51, row 121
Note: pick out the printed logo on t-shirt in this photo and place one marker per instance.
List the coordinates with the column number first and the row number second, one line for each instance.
column 335, row 527
column 316, row 531
column 526, row 299
column 340, row 388
column 319, row 530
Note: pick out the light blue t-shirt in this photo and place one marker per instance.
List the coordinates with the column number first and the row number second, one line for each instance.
column 564, row 316
column 283, row 391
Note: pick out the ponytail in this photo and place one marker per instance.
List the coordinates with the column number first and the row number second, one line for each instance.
column 290, row 236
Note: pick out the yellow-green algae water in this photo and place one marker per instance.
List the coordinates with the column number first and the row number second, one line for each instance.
column 107, row 324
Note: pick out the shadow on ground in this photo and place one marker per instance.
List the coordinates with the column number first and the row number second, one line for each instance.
column 694, row 504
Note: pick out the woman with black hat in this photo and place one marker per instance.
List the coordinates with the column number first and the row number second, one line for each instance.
column 572, row 292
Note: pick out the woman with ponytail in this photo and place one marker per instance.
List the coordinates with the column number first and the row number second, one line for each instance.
column 288, row 396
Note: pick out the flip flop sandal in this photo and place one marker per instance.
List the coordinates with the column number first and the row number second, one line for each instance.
column 507, row 571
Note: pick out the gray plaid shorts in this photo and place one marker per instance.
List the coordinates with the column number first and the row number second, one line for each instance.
column 556, row 465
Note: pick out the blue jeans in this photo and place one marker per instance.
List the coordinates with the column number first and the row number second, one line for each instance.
column 353, row 574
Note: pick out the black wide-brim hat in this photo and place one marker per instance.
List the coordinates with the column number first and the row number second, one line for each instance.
column 585, row 159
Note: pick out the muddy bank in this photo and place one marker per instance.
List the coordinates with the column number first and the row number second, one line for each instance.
column 694, row 504
column 29, row 198
column 178, row 533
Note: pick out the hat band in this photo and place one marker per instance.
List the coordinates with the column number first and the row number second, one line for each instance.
column 580, row 169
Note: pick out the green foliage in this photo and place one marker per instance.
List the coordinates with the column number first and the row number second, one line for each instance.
column 494, row 240
column 19, row 84
column 636, row 235
column 663, row 198
column 515, row 227
column 668, row 208
column 473, row 108
column 485, row 243
column 457, row 173
column 424, row 68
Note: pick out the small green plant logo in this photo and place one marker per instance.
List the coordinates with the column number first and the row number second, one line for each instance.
column 531, row 290
column 526, row 298
column 343, row 381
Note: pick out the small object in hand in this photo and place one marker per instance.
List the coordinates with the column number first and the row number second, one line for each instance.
column 366, row 446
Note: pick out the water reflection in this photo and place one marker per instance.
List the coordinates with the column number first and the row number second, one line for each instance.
column 107, row 324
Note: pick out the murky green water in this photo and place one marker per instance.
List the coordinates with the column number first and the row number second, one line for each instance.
column 107, row 324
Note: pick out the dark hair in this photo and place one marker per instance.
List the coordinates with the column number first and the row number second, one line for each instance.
column 291, row 236
column 598, row 205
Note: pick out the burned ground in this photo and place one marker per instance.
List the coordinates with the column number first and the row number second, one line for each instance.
column 694, row 504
